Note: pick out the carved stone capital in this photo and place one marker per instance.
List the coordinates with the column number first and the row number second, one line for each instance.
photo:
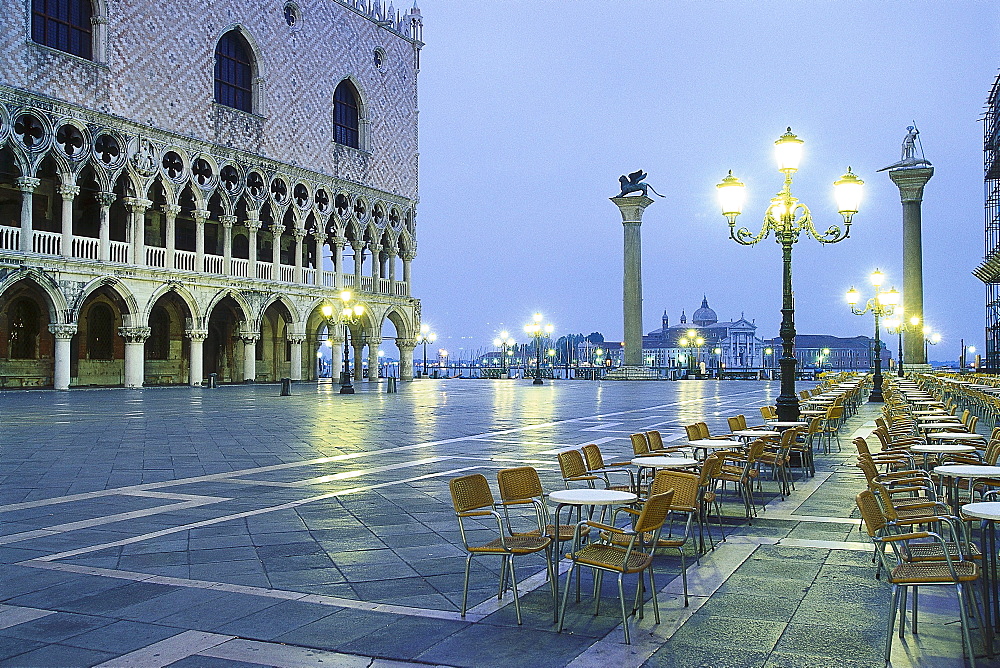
column 339, row 242
column 201, row 215
column 295, row 339
column 137, row 204
column 406, row 344
column 27, row 184
column 196, row 334
column 106, row 199
column 277, row 230
column 631, row 208
column 134, row 334
column 97, row 20
column 69, row 192
column 299, row 234
column 227, row 221
column 911, row 182
column 171, row 210
column 249, row 337
column 409, row 255
column 62, row 331
column 252, row 225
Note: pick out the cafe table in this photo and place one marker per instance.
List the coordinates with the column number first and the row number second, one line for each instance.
column 956, row 472
column 941, row 449
column 706, row 444
column 989, row 513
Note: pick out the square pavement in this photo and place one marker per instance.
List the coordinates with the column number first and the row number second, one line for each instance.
column 234, row 527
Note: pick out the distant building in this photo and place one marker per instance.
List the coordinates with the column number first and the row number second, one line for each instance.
column 819, row 351
column 674, row 346
column 989, row 271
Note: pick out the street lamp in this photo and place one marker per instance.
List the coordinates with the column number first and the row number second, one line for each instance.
column 718, row 363
column 350, row 314
column 690, row 341
column 536, row 329
column 504, row 341
column 881, row 305
column 930, row 337
column 381, row 354
column 788, row 218
column 961, row 358
column 895, row 325
column 426, row 336
column 598, row 359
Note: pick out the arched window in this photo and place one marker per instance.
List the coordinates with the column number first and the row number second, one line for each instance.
column 100, row 333
column 63, row 25
column 23, row 336
column 345, row 115
column 158, row 343
column 234, row 72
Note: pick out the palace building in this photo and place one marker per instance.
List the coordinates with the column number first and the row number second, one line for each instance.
column 677, row 345
column 184, row 185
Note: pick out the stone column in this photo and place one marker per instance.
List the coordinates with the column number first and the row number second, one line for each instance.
column 249, row 357
column 227, row 243
column 376, row 265
column 373, row 345
column 200, row 216
column 253, row 224
column 631, row 209
column 69, row 193
column 358, row 343
column 392, row 265
column 64, row 337
column 196, row 364
column 104, row 231
column 27, row 184
column 276, row 231
column 336, row 359
column 135, row 354
column 911, row 182
column 297, row 249
column 137, row 224
column 406, row 347
column 170, row 212
column 359, row 259
column 338, row 259
column 296, row 340
column 407, row 260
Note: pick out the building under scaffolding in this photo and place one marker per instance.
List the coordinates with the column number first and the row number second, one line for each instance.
column 989, row 271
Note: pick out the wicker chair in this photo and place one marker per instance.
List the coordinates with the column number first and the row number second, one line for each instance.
column 472, row 498
column 656, row 446
column 905, row 571
column 574, row 469
column 635, row 558
column 595, row 466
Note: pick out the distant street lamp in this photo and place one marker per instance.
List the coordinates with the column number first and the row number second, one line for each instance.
column 691, row 340
column 536, row 329
column 718, row 362
column 788, row 218
column 881, row 305
column 424, row 337
column 350, row 314
column 504, row 341
column 930, row 337
column 961, row 358
column 598, row 358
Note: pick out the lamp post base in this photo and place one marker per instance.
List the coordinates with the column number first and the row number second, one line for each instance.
column 537, row 381
column 876, row 397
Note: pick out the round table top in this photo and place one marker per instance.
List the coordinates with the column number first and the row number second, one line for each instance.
column 928, row 403
column 983, row 510
column 757, row 433
column 942, row 448
column 968, row 471
column 940, row 417
column 941, row 425
column 797, row 423
column 813, row 412
column 959, row 435
column 936, row 411
column 591, row 497
column 715, row 443
column 664, row 462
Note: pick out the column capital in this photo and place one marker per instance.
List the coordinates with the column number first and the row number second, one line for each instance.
column 372, row 339
column 249, row 337
column 911, row 182
column 299, row 233
column 295, row 339
column 201, row 215
column 339, row 241
column 252, row 224
column 171, row 209
column 68, row 191
column 631, row 208
column 63, row 331
column 277, row 230
column 406, row 344
column 106, row 198
column 134, row 334
column 196, row 334
column 227, row 220
column 27, row 184
column 137, row 204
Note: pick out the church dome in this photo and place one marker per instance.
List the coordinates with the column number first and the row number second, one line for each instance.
column 704, row 316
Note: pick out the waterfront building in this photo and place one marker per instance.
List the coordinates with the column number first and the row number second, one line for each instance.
column 676, row 345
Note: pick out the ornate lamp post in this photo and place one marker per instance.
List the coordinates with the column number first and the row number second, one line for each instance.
column 931, row 338
column 895, row 325
column 504, row 341
column 961, row 357
column 538, row 330
column 598, row 360
column 788, row 218
column 350, row 314
column 881, row 305
column 424, row 337
column 691, row 341
column 718, row 362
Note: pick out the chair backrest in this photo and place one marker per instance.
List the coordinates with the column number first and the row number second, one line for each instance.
column 870, row 512
column 867, row 466
column 804, row 394
column 862, row 446
column 703, row 430
column 655, row 440
column 815, row 425
column 788, row 437
column 592, row 457
column 971, row 424
column 470, row 492
column 571, row 464
column 519, row 484
column 685, row 486
column 768, row 413
column 692, row 431
column 734, row 423
column 992, row 452
column 654, row 512
column 835, row 412
column 755, row 450
column 884, row 501
column 640, row 446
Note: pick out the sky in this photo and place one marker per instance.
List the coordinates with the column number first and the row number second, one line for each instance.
column 531, row 110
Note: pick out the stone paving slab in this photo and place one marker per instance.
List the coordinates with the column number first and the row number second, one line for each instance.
column 196, row 527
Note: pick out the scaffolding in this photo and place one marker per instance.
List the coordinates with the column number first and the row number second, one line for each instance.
column 989, row 270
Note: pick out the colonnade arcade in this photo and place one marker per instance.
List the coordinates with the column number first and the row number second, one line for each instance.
column 104, row 335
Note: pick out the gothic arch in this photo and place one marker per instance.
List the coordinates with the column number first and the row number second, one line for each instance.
column 131, row 313
column 361, row 99
column 258, row 65
column 405, row 328
column 182, row 292
column 285, row 301
column 56, row 302
column 245, row 307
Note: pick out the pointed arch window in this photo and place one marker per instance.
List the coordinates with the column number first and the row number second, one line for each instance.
column 63, row 25
column 24, row 326
column 234, row 72
column 345, row 115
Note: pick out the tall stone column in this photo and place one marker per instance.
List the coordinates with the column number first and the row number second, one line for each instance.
column 200, row 216
column 106, row 199
column 135, row 354
column 336, row 359
column 359, row 259
column 338, row 259
column 406, row 347
column 253, row 225
column 392, row 265
column 196, row 364
column 249, row 357
column 298, row 235
column 631, row 209
column 69, row 193
column 407, row 261
column 911, row 182
column 373, row 345
column 276, row 230
column 170, row 212
column 295, row 341
column 64, row 337
column 358, row 343
column 27, row 184
column 137, row 224
column 376, row 265
column 227, row 243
